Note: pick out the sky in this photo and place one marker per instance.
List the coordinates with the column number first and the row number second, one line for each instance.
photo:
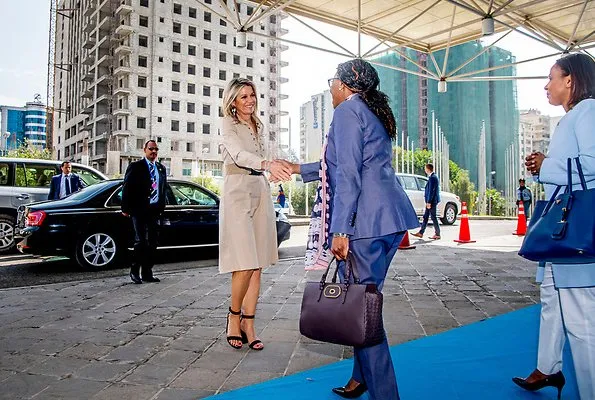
column 23, row 61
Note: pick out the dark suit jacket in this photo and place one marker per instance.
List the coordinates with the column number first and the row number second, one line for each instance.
column 76, row 184
column 432, row 192
column 136, row 191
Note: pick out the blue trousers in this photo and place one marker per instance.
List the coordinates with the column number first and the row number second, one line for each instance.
column 373, row 365
column 430, row 212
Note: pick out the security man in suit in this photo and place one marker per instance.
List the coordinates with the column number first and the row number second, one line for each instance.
column 432, row 198
column 64, row 184
column 143, row 199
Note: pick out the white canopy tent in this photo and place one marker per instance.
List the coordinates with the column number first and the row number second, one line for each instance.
column 428, row 26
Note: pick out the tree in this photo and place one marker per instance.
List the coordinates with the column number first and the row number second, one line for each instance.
column 495, row 202
column 298, row 199
column 454, row 172
column 25, row 150
column 464, row 188
column 208, row 182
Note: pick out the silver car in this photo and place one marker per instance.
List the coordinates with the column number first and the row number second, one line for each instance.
column 414, row 185
column 24, row 181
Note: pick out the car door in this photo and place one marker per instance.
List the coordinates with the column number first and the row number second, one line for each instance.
column 31, row 182
column 416, row 195
column 194, row 218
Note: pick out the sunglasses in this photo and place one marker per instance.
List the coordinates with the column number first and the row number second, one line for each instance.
column 153, row 148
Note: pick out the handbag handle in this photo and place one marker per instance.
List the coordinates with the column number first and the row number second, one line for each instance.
column 581, row 176
column 349, row 270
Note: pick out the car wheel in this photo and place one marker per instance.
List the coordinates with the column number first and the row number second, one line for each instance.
column 7, row 224
column 97, row 250
column 450, row 214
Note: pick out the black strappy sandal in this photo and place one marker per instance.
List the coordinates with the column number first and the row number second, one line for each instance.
column 245, row 337
column 232, row 338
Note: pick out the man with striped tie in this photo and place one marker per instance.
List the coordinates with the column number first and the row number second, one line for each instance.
column 143, row 199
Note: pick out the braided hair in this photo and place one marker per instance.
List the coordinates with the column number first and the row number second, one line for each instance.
column 361, row 77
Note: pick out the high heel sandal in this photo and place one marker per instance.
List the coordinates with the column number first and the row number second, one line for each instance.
column 245, row 337
column 232, row 338
column 556, row 380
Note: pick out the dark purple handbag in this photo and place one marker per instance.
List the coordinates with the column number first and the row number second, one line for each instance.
column 347, row 313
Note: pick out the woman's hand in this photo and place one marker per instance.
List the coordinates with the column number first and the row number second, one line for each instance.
column 282, row 170
column 533, row 162
column 340, row 247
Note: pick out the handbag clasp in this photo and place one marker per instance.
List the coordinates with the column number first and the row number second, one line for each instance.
column 332, row 291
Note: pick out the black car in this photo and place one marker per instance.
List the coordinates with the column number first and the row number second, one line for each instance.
column 88, row 226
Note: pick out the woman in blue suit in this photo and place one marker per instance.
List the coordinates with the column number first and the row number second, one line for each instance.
column 567, row 291
column 360, row 207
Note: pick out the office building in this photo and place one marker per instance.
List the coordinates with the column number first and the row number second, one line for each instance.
column 134, row 70
column 462, row 110
column 315, row 120
column 20, row 125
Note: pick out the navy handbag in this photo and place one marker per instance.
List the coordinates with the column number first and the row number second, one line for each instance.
column 564, row 232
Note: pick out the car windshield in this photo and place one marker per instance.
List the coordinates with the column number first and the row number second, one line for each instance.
column 90, row 191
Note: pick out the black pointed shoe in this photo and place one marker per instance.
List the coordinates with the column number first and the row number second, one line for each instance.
column 151, row 279
column 135, row 278
column 351, row 394
column 556, row 380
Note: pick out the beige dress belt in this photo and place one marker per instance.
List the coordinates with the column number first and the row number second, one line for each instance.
column 232, row 169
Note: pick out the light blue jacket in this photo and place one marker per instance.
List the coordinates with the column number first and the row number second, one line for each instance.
column 573, row 137
column 366, row 199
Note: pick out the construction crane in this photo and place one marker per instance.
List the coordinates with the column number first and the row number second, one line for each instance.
column 52, row 66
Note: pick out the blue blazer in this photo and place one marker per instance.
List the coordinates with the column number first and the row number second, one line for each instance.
column 76, row 184
column 432, row 191
column 366, row 199
column 573, row 137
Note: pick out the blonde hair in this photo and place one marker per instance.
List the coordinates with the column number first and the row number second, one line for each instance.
column 231, row 93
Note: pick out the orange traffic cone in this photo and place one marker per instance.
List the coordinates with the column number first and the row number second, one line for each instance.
column 464, row 233
column 521, row 225
column 405, row 244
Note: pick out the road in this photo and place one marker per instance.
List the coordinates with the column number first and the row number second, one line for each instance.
column 17, row 270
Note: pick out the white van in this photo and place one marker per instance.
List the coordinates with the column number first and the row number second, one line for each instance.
column 26, row 180
column 414, row 185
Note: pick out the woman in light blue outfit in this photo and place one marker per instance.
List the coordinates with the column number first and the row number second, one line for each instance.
column 567, row 291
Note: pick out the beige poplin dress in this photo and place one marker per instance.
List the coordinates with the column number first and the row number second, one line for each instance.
column 247, row 228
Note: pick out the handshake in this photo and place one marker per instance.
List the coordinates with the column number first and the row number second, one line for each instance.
column 281, row 170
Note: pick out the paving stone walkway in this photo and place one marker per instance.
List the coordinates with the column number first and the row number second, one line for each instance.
column 110, row 339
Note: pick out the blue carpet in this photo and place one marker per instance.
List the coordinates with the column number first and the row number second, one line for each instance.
column 474, row 362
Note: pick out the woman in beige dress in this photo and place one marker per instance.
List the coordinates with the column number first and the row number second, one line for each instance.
column 247, row 229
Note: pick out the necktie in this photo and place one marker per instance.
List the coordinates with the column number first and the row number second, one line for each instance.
column 67, row 184
column 153, row 173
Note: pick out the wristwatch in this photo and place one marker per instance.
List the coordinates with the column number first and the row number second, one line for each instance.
column 343, row 235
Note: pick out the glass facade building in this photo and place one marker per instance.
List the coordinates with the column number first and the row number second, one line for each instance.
column 460, row 111
column 22, row 124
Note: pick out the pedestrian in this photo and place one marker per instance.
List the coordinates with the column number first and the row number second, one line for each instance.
column 360, row 207
column 524, row 194
column 432, row 198
column 281, row 197
column 143, row 199
column 247, row 230
column 64, row 184
column 567, row 291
